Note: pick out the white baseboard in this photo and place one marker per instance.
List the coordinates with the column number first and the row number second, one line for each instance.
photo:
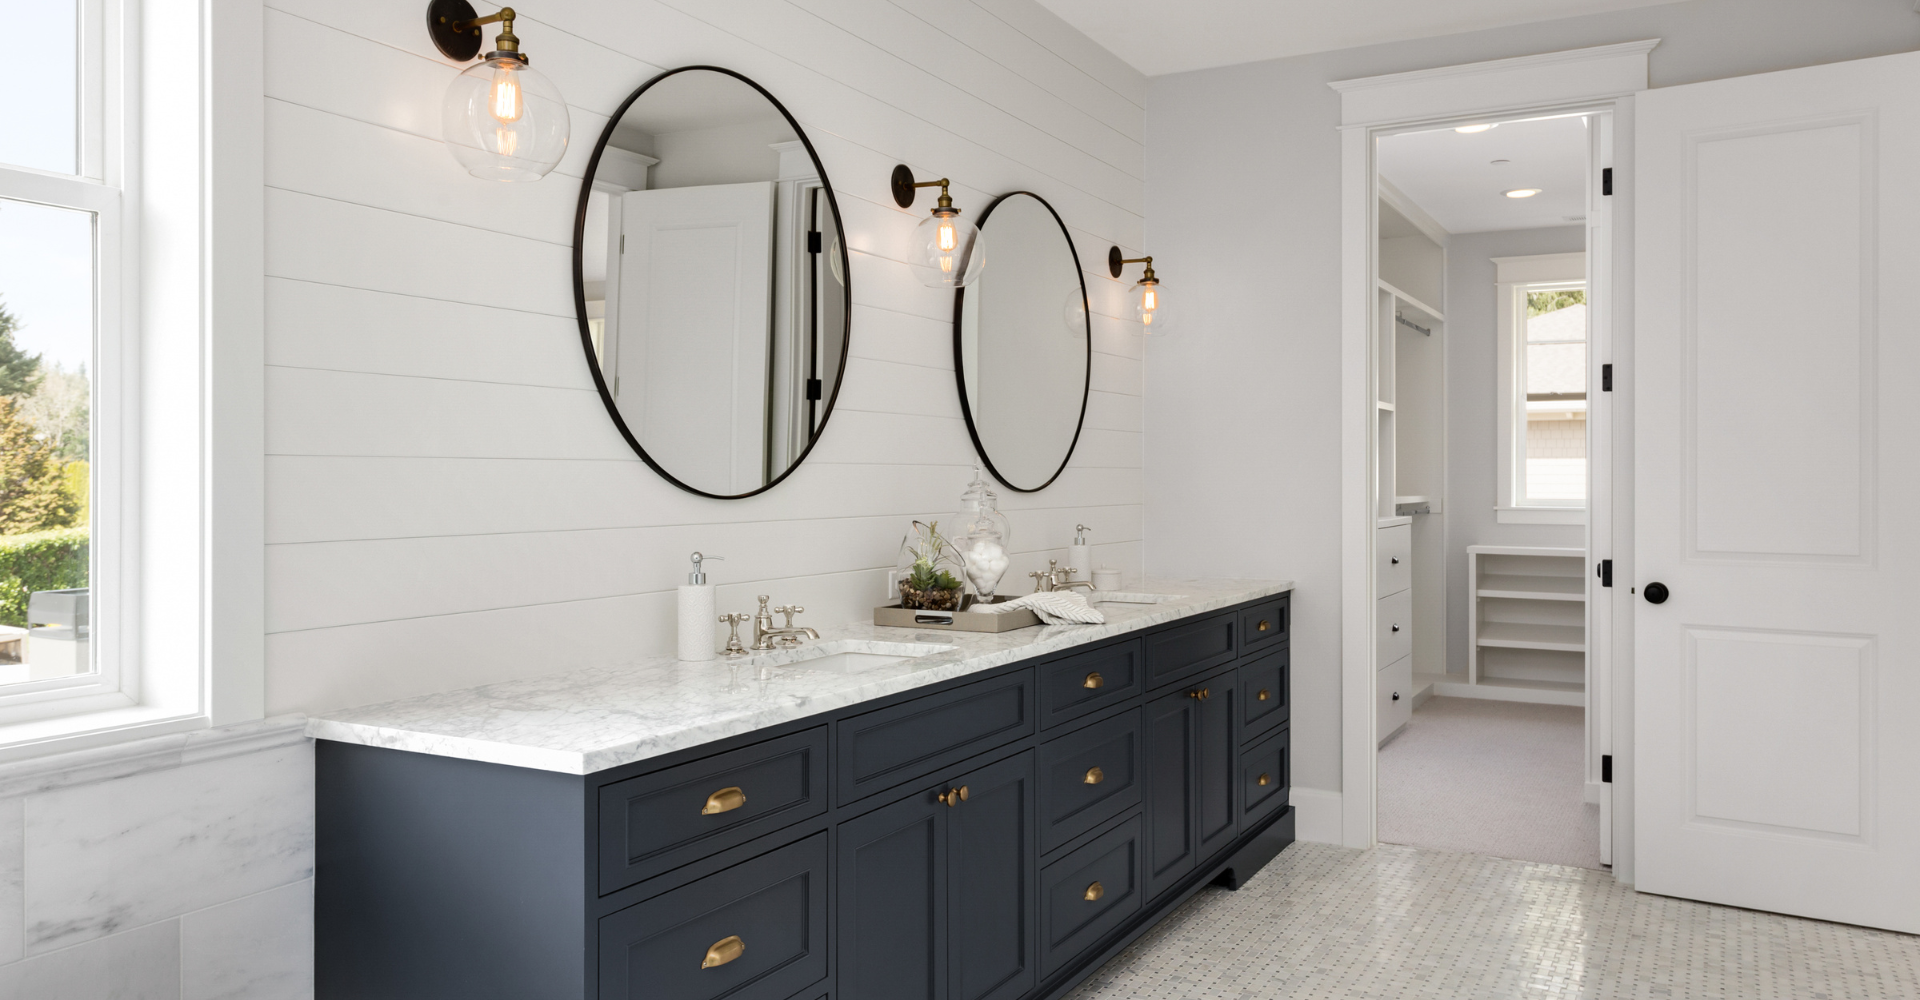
column 1317, row 815
column 1494, row 692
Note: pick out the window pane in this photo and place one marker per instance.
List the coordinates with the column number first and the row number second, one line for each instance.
column 43, row 119
column 1556, row 428
column 46, row 398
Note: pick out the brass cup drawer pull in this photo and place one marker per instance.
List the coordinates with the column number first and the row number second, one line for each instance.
column 1094, row 680
column 1094, row 892
column 952, row 796
column 724, row 800
column 1265, row 694
column 1095, row 776
column 723, row 951
column 1265, row 625
column 1265, row 781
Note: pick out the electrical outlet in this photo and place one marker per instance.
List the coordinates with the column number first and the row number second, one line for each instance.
column 893, row 586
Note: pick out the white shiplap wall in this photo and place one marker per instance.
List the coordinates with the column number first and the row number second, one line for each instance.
column 447, row 502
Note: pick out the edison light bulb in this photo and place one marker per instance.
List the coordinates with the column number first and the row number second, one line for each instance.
column 1149, row 305
column 947, row 241
column 505, row 101
column 947, row 251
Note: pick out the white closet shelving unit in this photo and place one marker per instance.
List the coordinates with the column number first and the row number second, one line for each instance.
column 1527, row 635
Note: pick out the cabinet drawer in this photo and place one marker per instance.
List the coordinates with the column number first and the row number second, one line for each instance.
column 1088, row 777
column 883, row 748
column 1394, row 696
column 1265, row 778
column 1264, row 624
column 1393, row 557
column 1175, row 653
column 1086, row 683
column 1264, row 684
column 660, row 821
column 1393, row 627
column 1070, row 922
column 676, row 944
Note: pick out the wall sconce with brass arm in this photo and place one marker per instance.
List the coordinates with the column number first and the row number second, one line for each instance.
column 945, row 250
column 1147, row 300
column 502, row 120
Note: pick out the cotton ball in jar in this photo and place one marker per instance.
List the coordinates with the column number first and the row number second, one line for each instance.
column 986, row 564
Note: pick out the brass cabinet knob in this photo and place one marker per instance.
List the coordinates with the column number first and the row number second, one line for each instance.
column 1264, row 694
column 1094, row 680
column 723, row 951
column 1200, row 695
column 1265, row 625
column 1095, row 891
column 952, row 796
column 1265, row 781
column 724, row 800
column 1095, row 776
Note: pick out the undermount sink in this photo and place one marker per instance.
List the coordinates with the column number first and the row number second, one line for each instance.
column 846, row 657
column 1130, row 597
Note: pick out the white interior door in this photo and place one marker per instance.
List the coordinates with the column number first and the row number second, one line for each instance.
column 692, row 313
column 1776, row 735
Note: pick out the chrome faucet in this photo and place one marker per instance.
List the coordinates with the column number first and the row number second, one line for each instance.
column 764, row 633
column 1054, row 578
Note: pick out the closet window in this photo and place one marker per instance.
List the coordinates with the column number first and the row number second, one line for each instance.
column 1543, row 380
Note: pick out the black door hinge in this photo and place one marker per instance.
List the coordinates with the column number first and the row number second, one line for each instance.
column 1606, row 572
column 1606, row 378
column 813, row 388
column 1606, row 180
column 1606, row 768
column 813, row 241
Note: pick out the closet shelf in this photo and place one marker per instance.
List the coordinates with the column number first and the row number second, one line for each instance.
column 1534, row 588
column 1513, row 635
column 1416, row 303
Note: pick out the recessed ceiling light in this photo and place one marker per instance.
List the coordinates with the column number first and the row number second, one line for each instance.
column 1476, row 128
column 1523, row 192
column 1498, row 162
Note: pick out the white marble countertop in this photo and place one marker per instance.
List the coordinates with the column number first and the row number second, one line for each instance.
column 593, row 719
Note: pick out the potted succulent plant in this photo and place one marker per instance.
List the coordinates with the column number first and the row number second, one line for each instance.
column 930, row 570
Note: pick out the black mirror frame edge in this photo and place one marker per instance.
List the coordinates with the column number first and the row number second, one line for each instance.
column 959, row 368
column 580, row 288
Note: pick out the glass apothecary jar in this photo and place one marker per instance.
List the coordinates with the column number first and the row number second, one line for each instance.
column 984, row 537
column 929, row 570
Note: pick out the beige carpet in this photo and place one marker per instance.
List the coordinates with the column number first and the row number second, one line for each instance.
column 1490, row 777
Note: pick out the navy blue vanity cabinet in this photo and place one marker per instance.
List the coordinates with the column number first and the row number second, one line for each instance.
column 1264, row 689
column 1089, row 891
column 888, row 746
column 937, row 891
column 1079, row 685
column 1192, row 777
column 1188, row 647
column 1089, row 776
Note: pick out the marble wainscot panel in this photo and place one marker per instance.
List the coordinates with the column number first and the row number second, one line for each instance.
column 594, row 719
column 177, row 866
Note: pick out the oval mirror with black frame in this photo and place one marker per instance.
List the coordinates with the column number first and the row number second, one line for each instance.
column 1022, row 344
column 711, row 282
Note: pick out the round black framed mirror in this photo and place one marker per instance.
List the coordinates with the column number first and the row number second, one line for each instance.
column 1023, row 345
column 711, row 281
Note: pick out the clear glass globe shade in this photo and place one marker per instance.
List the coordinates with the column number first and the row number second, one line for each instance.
column 505, row 121
column 947, row 251
column 1150, row 305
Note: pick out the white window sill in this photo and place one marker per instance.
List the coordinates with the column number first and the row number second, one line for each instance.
column 1540, row 515
column 86, row 730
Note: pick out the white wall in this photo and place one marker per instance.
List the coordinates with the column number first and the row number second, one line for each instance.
column 448, row 503
column 1473, row 449
column 1243, row 202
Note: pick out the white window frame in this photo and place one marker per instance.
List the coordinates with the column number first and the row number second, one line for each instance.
column 1514, row 277
column 171, row 165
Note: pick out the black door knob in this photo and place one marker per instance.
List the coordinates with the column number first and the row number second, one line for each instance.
column 1396, row 696
column 1656, row 593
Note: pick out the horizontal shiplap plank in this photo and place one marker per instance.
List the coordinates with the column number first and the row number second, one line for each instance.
column 351, row 413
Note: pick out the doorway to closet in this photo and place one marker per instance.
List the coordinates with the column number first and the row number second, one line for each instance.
column 1482, row 447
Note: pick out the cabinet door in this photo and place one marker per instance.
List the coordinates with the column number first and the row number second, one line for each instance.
column 1217, row 773
column 1170, row 792
column 892, row 918
column 992, row 888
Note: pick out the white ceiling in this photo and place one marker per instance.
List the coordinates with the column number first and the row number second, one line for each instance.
column 1156, row 37
column 1452, row 176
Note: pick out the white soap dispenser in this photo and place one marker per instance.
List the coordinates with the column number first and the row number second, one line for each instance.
column 1080, row 554
column 697, row 614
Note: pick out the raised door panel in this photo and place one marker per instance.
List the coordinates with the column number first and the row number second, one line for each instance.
column 1088, row 777
column 1169, row 770
column 1188, row 649
column 1088, row 682
column 659, row 821
column 1264, row 625
column 1216, row 763
column 1088, row 892
column 992, row 883
column 882, row 748
column 1264, row 687
column 891, row 925
column 1265, row 777
column 756, row 931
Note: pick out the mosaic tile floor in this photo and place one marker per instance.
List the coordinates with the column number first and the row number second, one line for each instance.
column 1401, row 923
